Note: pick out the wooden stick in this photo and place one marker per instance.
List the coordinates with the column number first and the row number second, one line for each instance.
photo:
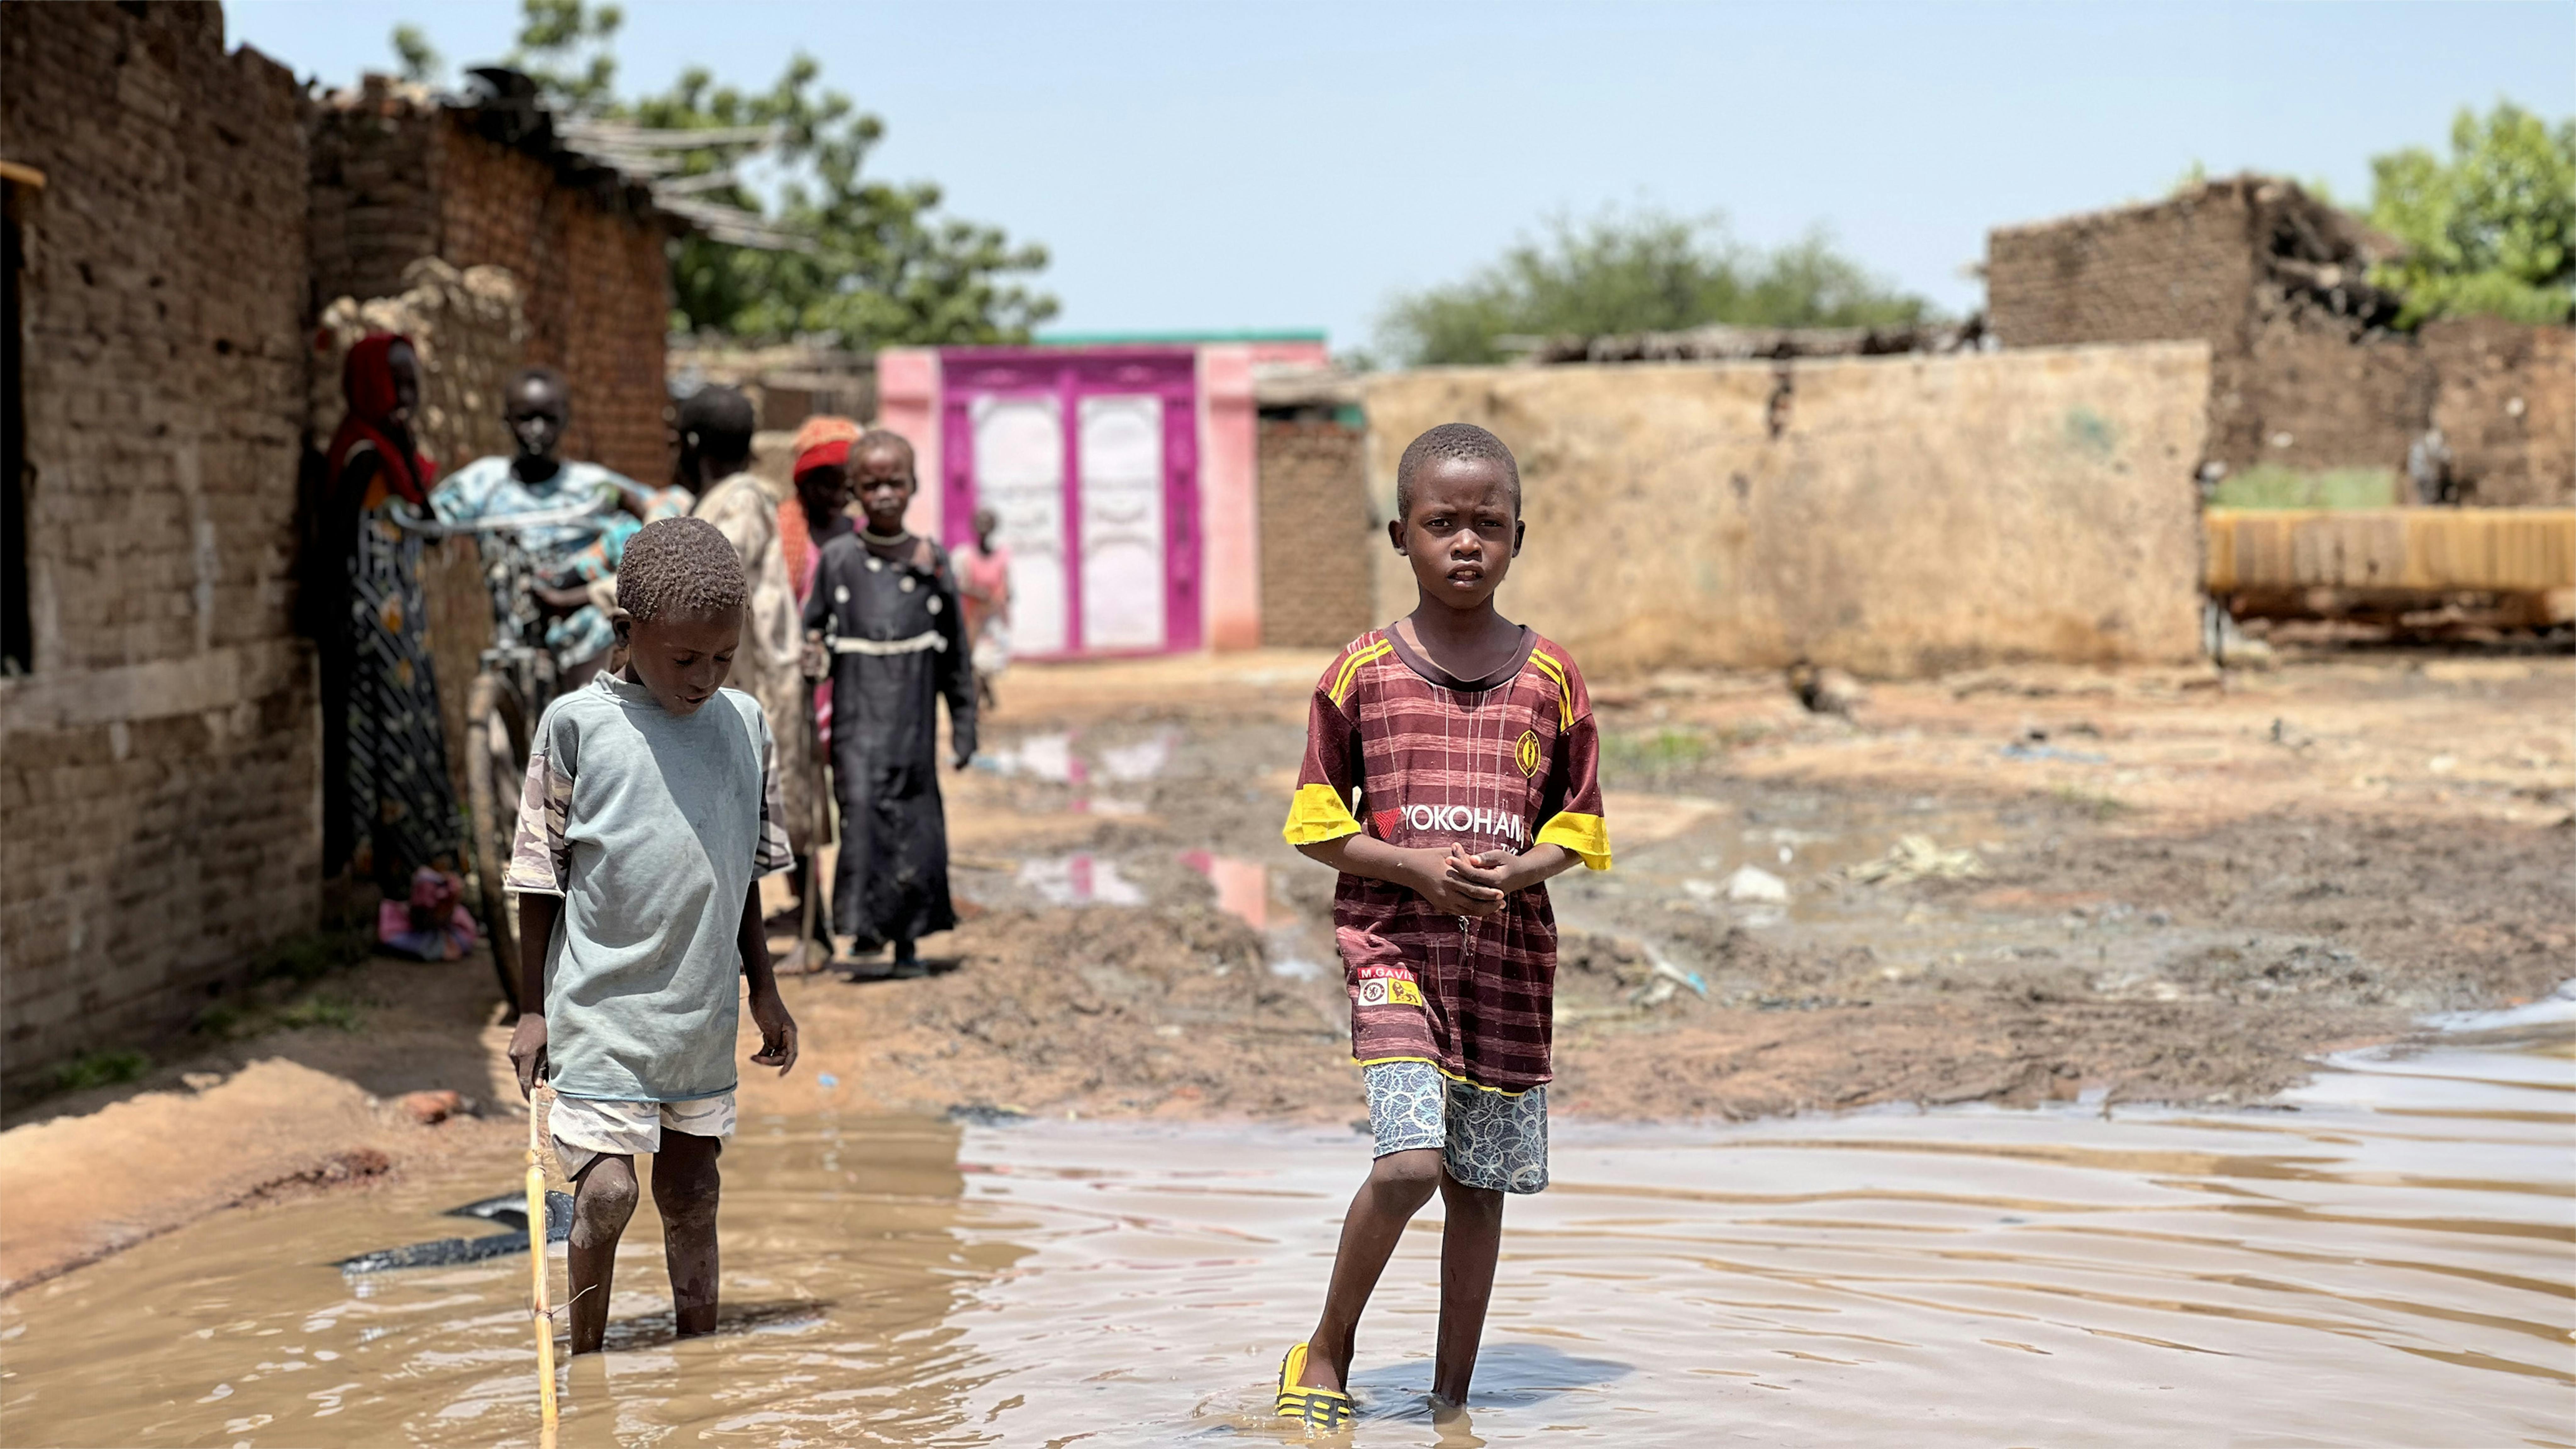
column 538, row 1314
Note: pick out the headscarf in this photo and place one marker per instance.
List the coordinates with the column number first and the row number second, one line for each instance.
column 824, row 427
column 367, row 381
column 829, row 454
column 824, row 441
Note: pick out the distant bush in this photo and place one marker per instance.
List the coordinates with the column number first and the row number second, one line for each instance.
column 2271, row 485
column 1640, row 271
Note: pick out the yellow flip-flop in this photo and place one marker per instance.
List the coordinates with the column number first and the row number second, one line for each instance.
column 1326, row 1409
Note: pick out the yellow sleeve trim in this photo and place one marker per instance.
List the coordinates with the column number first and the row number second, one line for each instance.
column 1564, row 695
column 1586, row 835
column 1316, row 815
column 1340, row 693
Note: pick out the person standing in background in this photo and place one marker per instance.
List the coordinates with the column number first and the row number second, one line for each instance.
column 816, row 512
column 389, row 809
column 715, row 426
column 984, row 587
column 574, row 558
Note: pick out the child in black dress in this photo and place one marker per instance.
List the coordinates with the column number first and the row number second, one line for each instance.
column 884, row 606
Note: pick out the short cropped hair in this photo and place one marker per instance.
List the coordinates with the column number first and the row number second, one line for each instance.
column 541, row 373
column 1447, row 441
column 719, row 420
column 876, row 440
column 680, row 566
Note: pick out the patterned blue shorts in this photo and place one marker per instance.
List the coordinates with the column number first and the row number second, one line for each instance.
column 1486, row 1138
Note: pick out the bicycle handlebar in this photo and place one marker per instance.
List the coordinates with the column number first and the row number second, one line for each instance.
column 409, row 522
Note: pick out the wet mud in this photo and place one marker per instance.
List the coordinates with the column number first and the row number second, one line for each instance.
column 2015, row 887
column 2377, row 1258
column 2042, row 888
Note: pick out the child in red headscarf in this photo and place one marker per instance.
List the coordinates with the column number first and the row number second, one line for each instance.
column 815, row 514
column 389, row 809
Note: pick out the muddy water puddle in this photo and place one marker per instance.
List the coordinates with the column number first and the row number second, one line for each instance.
column 2384, row 1257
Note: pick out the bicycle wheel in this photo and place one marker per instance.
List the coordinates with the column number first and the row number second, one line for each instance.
column 495, row 763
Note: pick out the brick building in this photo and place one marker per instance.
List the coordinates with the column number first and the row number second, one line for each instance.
column 399, row 174
column 2505, row 401
column 1318, row 533
column 160, row 738
column 2305, row 371
column 159, row 756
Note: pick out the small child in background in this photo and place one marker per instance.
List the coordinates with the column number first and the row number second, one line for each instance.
column 984, row 587
column 1469, row 742
column 649, row 814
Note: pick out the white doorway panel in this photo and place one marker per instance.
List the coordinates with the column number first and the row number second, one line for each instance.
column 1019, row 474
column 1124, row 563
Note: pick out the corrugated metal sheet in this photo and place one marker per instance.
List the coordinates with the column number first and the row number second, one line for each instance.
column 2503, row 550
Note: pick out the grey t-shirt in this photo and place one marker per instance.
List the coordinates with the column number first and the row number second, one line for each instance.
column 652, row 827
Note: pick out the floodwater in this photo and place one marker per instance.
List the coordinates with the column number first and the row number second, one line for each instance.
column 2386, row 1257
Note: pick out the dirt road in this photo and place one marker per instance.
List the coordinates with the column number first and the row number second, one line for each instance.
column 2012, row 886
column 2015, row 886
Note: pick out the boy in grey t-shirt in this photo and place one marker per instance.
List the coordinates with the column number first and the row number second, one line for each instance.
column 649, row 814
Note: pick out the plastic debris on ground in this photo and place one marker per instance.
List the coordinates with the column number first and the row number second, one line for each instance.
column 1664, row 979
column 1754, row 885
column 1916, row 857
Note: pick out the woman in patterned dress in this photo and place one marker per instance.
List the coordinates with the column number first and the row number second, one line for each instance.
column 389, row 808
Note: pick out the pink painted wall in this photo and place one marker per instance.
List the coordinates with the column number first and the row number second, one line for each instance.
column 910, row 395
column 1229, row 498
column 908, row 403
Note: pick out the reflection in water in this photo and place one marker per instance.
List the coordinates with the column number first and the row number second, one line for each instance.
column 1080, row 879
column 2386, row 1264
column 1242, row 886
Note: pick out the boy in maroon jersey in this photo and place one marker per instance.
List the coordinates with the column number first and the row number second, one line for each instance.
column 1468, row 740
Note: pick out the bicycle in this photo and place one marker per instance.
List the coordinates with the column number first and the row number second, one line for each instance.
column 515, row 678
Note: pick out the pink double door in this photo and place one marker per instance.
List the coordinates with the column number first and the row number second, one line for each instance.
column 1090, row 460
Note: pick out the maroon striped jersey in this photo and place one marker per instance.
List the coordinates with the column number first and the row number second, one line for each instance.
column 1397, row 747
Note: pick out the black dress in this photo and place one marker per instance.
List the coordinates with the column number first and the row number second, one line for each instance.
column 898, row 643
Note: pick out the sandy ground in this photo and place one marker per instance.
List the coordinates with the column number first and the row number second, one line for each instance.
column 2011, row 886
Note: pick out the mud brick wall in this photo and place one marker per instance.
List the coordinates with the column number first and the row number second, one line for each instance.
column 159, row 810
column 2290, row 383
column 2178, row 270
column 374, row 198
column 597, row 286
column 1909, row 515
column 1315, row 533
column 2506, row 405
column 2312, row 392
column 398, row 177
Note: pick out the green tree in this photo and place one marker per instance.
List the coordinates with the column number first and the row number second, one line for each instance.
column 1638, row 271
column 883, row 269
column 876, row 264
column 564, row 46
column 2490, row 231
column 419, row 59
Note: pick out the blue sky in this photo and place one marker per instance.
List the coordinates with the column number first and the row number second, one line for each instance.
column 1232, row 165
